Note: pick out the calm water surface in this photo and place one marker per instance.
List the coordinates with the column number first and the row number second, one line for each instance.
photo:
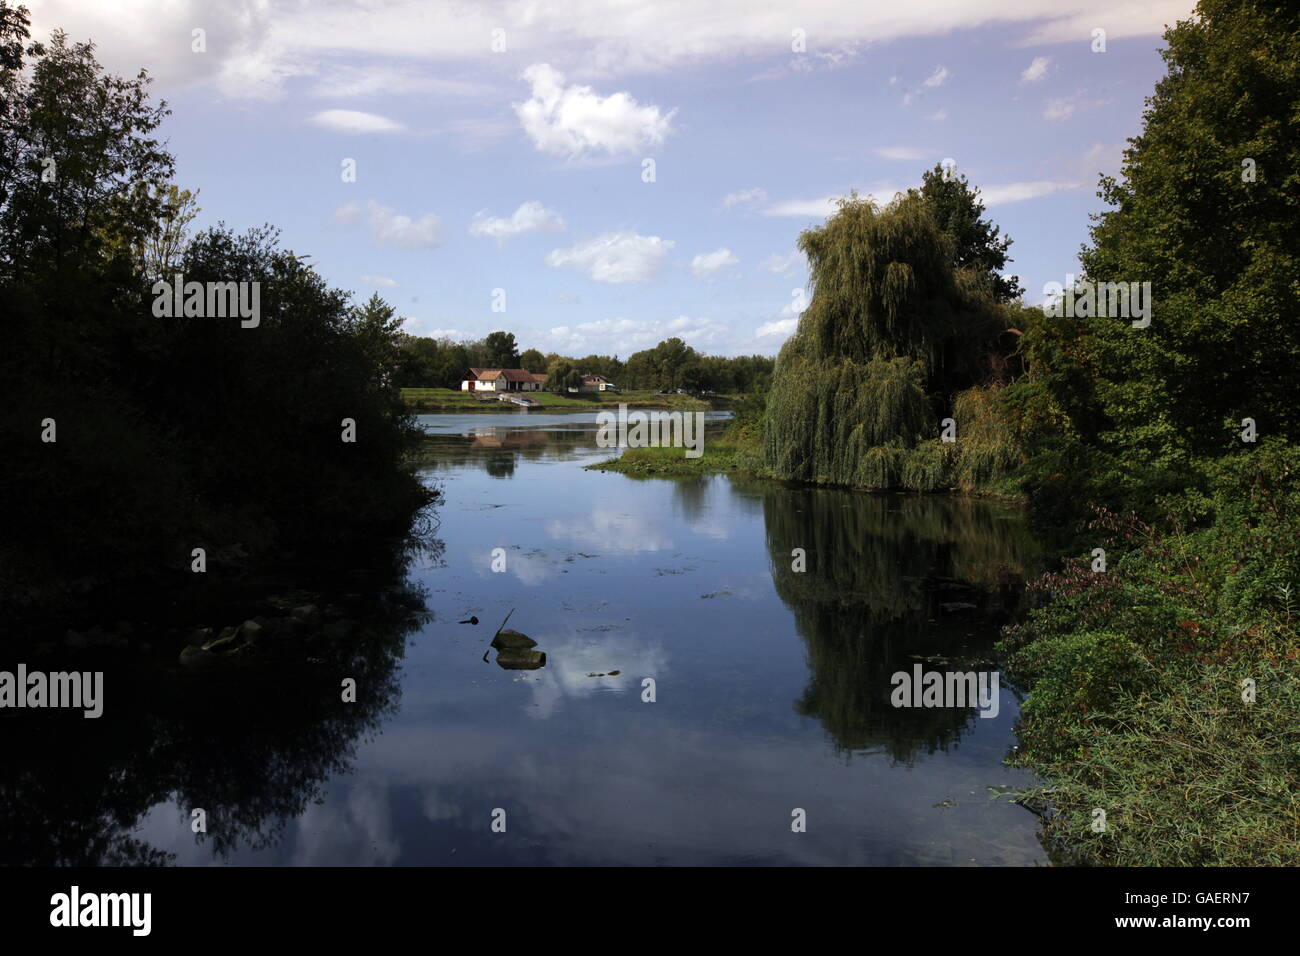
column 772, row 687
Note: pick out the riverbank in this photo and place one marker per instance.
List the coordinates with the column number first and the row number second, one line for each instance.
column 740, row 453
column 1164, row 701
column 720, row 457
column 728, row 456
column 449, row 400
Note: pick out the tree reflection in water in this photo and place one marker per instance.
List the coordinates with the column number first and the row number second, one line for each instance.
column 252, row 746
column 880, row 569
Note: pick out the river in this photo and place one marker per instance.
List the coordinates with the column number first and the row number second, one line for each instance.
column 702, row 701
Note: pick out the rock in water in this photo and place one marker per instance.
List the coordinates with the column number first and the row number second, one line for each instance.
column 512, row 640
column 521, row 659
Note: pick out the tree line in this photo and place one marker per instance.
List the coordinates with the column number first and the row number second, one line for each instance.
column 425, row 362
column 132, row 440
column 1166, row 451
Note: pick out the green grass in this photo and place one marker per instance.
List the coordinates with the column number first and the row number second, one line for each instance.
column 738, row 451
column 719, row 456
column 452, row 400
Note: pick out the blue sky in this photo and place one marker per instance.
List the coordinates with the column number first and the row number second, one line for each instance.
column 522, row 169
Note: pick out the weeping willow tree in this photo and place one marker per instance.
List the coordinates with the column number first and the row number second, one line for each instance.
column 893, row 334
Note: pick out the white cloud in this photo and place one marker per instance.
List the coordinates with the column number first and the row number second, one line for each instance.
column 614, row 257
column 574, row 121
column 707, row 263
column 795, row 307
column 353, row 121
column 155, row 33
column 697, row 331
column 255, row 45
column 781, row 327
column 390, row 228
column 1036, row 70
column 802, row 207
column 348, row 213
column 834, row 59
column 744, row 197
column 782, row 265
column 938, row 116
column 344, row 81
column 1058, row 109
column 1018, row 192
column 1071, row 20
column 910, row 153
column 881, row 193
column 379, row 280
column 529, row 217
column 572, row 660
column 938, row 78
column 623, row 336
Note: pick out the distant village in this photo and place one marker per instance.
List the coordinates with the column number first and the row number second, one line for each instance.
column 522, row 380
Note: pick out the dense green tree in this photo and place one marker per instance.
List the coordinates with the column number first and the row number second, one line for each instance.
column 893, row 331
column 716, row 374
column 977, row 245
column 532, row 360
column 378, row 329
column 605, row 365
column 171, row 431
column 562, row 376
column 1206, row 210
column 501, row 350
column 664, row 367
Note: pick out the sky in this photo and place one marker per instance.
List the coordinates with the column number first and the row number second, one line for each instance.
column 598, row 175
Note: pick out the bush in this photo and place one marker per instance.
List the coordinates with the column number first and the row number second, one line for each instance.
column 1135, row 677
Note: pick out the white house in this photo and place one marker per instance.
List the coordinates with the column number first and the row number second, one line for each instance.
column 502, row 380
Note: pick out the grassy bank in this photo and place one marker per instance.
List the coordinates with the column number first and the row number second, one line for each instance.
column 449, row 400
column 975, row 465
column 719, row 457
column 736, row 452
column 1138, row 702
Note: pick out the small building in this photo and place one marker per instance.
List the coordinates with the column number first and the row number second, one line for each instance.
column 596, row 383
column 503, row 380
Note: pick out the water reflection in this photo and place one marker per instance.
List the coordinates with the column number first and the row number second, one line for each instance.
column 772, row 690
column 497, row 446
column 252, row 748
column 890, row 581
